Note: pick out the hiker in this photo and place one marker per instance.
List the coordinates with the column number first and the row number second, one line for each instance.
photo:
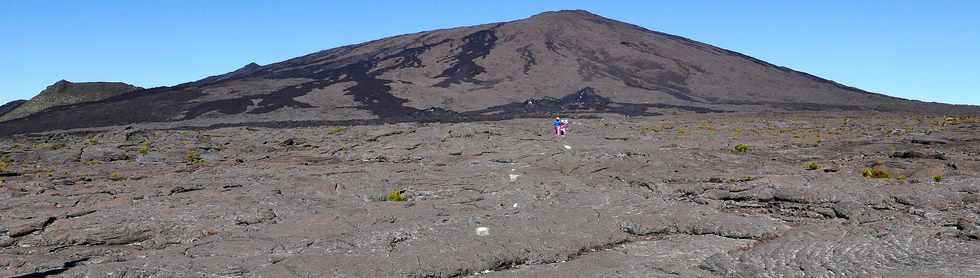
column 557, row 124
column 563, row 128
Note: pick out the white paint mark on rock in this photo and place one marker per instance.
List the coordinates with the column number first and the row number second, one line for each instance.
column 482, row 231
column 567, row 147
column 513, row 177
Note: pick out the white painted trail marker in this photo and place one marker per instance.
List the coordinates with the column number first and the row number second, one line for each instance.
column 482, row 231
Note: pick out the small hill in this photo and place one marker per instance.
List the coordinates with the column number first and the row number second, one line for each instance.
column 10, row 106
column 65, row 93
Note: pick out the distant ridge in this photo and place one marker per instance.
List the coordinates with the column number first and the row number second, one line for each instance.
column 66, row 93
column 10, row 106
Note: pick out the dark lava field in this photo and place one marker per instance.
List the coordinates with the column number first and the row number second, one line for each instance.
column 705, row 195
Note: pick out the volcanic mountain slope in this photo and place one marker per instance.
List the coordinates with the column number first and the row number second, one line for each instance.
column 65, row 93
column 567, row 61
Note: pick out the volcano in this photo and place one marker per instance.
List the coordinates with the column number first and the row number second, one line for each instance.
column 564, row 62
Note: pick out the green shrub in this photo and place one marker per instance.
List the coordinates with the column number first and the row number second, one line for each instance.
column 902, row 178
column 741, row 148
column 144, row 148
column 396, row 196
column 4, row 166
column 811, row 166
column 336, row 130
column 92, row 141
column 115, row 176
column 937, row 178
column 194, row 156
column 876, row 173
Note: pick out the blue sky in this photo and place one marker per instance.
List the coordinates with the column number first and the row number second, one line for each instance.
column 925, row 50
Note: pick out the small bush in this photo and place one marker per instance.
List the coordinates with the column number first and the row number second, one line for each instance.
column 937, row 178
column 115, row 176
column 92, row 141
column 144, row 148
column 194, row 156
column 4, row 166
column 876, row 173
column 396, row 196
column 811, row 166
column 58, row 146
column 741, row 148
column 336, row 130
column 902, row 178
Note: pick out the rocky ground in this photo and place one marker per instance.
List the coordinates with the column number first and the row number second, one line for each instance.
column 815, row 195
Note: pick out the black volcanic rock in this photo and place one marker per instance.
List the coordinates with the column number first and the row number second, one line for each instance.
column 555, row 62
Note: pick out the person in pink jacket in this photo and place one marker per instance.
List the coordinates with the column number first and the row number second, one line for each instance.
column 557, row 126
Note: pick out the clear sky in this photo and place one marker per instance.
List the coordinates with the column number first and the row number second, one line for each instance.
column 925, row 50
